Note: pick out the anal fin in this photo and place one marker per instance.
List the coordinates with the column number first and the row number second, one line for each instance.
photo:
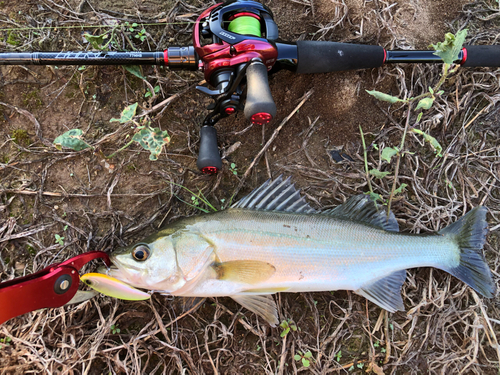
column 264, row 306
column 386, row 292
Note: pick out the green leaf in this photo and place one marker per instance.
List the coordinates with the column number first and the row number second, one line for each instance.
column 400, row 189
column 305, row 362
column 71, row 139
column 96, row 41
column 152, row 140
column 384, row 97
column 127, row 114
column 376, row 173
column 375, row 197
column 425, row 103
column 436, row 146
column 285, row 332
column 135, row 70
column 297, row 357
column 388, row 153
column 431, row 90
column 419, row 117
column 308, row 354
column 451, row 47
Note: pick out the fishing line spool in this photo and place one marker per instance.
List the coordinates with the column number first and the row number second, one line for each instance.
column 245, row 24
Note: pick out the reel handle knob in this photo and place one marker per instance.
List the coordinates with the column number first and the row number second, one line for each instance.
column 209, row 160
column 259, row 107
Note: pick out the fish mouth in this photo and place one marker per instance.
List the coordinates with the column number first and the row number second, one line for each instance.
column 122, row 271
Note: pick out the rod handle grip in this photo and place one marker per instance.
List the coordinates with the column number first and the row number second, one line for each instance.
column 324, row 57
column 482, row 56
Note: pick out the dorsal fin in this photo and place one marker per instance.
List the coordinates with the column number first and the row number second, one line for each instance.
column 277, row 195
column 363, row 209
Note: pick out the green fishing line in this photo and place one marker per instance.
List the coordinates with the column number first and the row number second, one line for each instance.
column 245, row 25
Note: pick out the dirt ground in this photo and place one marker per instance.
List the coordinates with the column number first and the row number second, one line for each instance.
column 57, row 204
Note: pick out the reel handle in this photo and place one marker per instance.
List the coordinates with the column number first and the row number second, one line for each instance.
column 324, row 57
column 259, row 107
column 209, row 161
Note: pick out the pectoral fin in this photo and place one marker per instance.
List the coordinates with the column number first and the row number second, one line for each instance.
column 244, row 271
column 386, row 292
column 264, row 306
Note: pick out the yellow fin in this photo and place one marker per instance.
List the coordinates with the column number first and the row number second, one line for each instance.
column 263, row 306
column 266, row 290
column 244, row 271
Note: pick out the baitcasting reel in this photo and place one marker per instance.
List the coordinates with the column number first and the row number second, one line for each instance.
column 239, row 51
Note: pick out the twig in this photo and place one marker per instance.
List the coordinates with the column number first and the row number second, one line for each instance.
column 165, row 102
column 365, row 157
column 273, row 137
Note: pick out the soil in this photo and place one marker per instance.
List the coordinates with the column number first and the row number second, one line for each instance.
column 97, row 203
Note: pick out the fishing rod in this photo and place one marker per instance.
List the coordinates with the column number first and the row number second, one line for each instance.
column 236, row 45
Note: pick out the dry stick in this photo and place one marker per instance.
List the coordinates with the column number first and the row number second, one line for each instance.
column 273, row 137
column 475, row 117
column 282, row 357
column 487, row 320
column 26, row 233
column 164, row 103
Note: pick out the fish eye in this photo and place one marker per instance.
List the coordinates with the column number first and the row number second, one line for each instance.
column 141, row 253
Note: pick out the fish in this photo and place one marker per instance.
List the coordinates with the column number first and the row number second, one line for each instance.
column 112, row 287
column 273, row 241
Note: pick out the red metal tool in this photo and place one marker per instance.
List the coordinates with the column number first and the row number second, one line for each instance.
column 53, row 286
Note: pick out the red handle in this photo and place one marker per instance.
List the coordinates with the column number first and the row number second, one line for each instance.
column 53, row 286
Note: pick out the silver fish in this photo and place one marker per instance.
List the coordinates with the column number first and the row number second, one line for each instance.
column 273, row 241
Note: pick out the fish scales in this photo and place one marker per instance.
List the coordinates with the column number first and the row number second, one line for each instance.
column 319, row 251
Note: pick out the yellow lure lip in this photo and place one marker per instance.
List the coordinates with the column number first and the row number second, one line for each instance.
column 112, row 287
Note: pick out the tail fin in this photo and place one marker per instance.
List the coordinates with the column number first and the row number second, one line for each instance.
column 469, row 233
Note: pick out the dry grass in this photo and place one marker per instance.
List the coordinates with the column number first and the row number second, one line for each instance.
column 446, row 329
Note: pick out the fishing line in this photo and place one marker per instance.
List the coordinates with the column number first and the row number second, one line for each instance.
column 245, row 25
column 93, row 26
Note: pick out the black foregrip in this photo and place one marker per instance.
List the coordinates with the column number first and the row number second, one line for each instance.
column 487, row 56
column 324, row 57
column 259, row 107
column 209, row 160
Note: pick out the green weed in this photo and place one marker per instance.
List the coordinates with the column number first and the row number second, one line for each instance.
column 448, row 51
